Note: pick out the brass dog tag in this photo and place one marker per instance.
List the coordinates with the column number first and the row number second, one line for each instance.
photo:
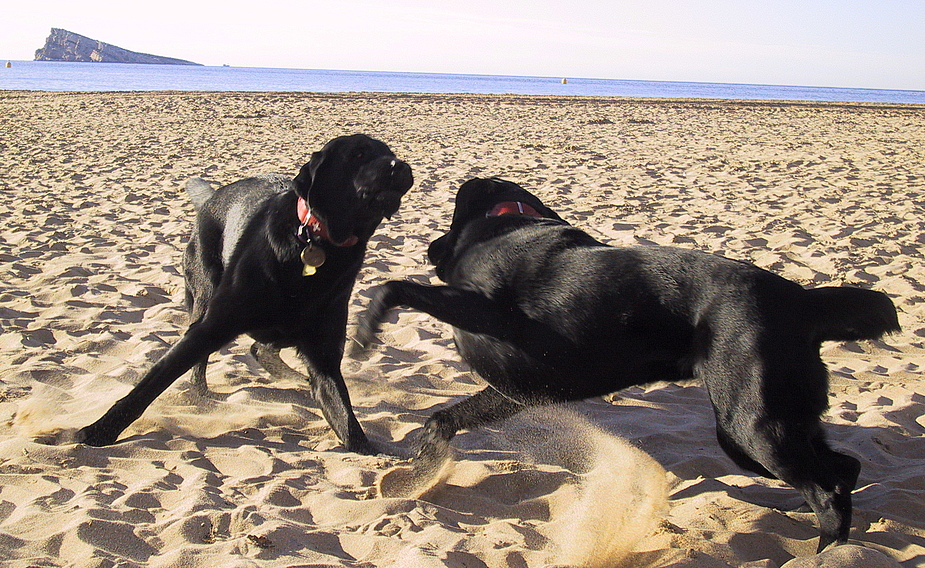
column 312, row 257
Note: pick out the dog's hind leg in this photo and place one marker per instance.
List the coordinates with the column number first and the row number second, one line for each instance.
column 201, row 280
column 827, row 487
column 198, row 375
column 201, row 339
column 486, row 406
column 198, row 378
column 803, row 460
column 196, row 307
column 768, row 404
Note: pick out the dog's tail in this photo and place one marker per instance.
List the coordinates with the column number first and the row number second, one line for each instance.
column 199, row 191
column 849, row 314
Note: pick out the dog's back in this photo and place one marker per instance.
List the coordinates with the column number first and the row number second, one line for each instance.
column 224, row 214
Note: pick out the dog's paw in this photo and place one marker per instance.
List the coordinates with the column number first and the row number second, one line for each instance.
column 428, row 471
column 421, row 478
column 363, row 447
column 365, row 335
column 382, row 299
column 92, row 436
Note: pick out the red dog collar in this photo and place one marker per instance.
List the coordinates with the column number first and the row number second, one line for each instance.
column 313, row 225
column 513, row 208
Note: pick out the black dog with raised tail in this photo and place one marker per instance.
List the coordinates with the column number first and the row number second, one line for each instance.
column 276, row 258
column 545, row 313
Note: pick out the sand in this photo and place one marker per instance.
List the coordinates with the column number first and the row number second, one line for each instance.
column 94, row 221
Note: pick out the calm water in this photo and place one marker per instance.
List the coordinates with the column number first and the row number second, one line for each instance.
column 59, row 76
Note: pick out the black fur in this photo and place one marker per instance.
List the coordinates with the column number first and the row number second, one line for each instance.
column 244, row 275
column 545, row 313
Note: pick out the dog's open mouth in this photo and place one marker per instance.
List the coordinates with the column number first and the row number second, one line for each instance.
column 382, row 186
column 319, row 228
column 325, row 234
column 387, row 202
column 349, row 242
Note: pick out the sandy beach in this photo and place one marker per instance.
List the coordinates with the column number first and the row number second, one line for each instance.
column 94, row 222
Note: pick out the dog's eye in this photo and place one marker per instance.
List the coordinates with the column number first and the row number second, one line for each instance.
column 359, row 154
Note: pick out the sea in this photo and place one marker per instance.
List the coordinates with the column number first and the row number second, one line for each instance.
column 69, row 76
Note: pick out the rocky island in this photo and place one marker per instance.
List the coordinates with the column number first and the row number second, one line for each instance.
column 63, row 45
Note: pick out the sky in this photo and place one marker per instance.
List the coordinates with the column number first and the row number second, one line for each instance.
column 876, row 44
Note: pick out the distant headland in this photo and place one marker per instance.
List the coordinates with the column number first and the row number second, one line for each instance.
column 63, row 45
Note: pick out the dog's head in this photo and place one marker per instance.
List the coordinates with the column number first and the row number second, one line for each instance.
column 351, row 184
column 477, row 199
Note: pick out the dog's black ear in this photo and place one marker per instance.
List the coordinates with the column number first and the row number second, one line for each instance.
column 472, row 199
column 307, row 174
column 440, row 252
column 548, row 213
column 438, row 249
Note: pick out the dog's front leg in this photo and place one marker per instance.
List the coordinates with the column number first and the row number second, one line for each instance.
column 463, row 309
column 329, row 390
column 200, row 340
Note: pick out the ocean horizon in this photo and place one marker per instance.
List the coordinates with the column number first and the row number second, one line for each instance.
column 70, row 76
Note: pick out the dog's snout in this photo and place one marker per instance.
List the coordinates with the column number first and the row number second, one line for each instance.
column 382, row 183
column 400, row 174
